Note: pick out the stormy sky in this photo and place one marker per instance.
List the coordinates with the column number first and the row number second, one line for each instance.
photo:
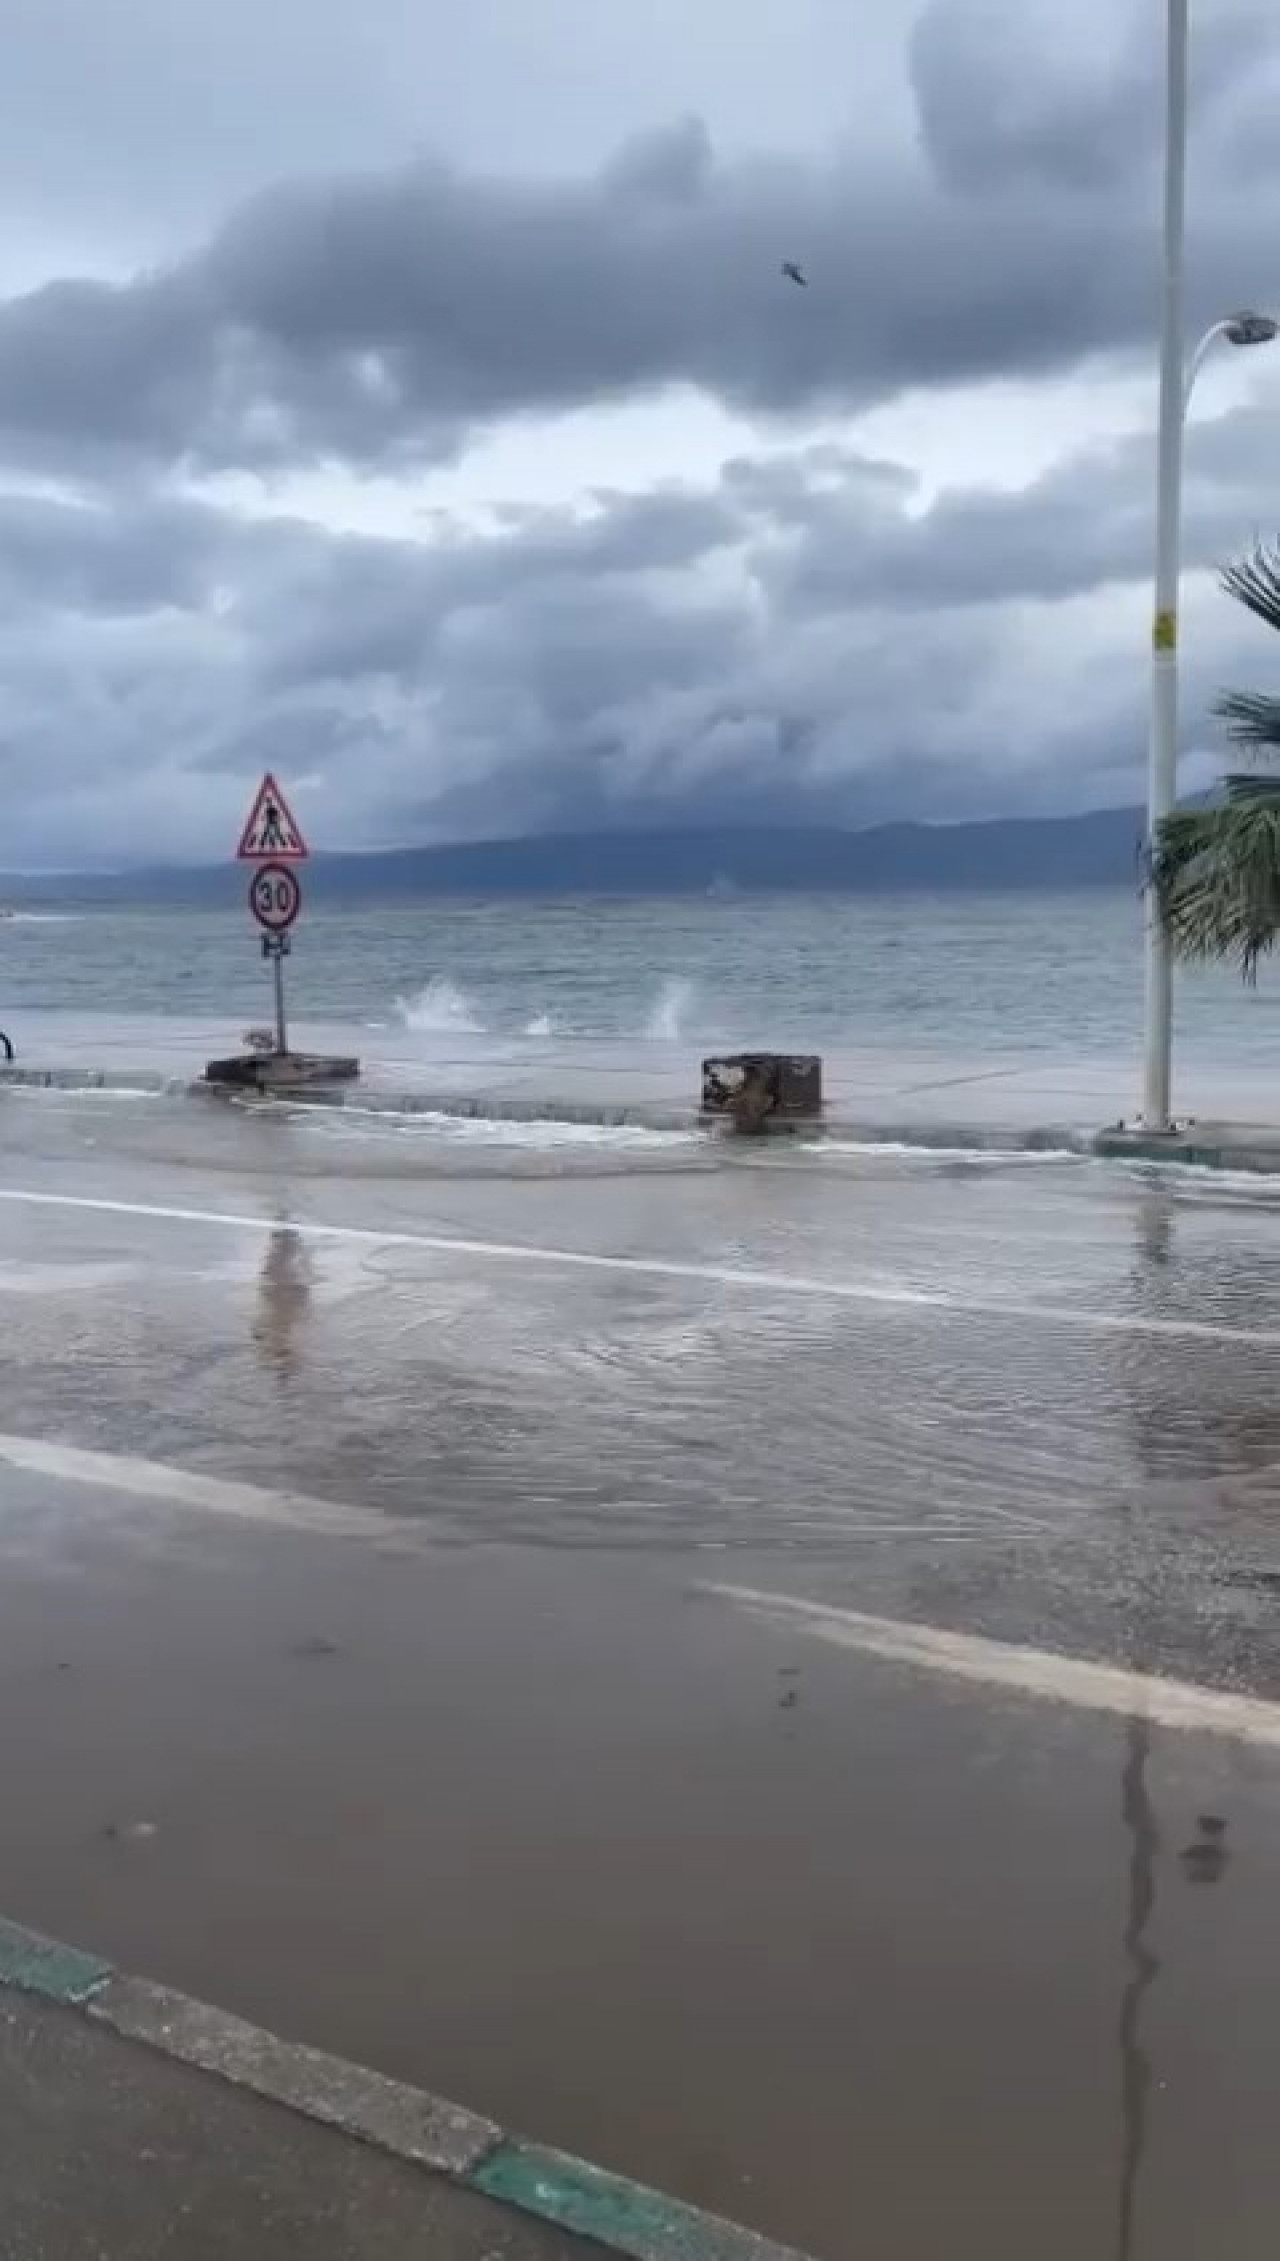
column 413, row 402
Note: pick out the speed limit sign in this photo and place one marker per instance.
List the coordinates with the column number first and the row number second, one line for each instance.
column 275, row 897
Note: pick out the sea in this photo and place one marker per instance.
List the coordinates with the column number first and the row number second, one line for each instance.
column 974, row 976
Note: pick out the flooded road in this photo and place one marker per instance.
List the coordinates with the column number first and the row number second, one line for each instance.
column 579, row 1621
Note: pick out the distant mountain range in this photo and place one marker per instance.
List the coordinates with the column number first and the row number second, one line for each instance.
column 1097, row 850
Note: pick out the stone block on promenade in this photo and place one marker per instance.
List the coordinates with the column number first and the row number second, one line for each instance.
column 281, row 1071
column 757, row 1091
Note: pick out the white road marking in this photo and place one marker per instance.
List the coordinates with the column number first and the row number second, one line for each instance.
column 209, row 1495
column 1038, row 1673
column 666, row 1268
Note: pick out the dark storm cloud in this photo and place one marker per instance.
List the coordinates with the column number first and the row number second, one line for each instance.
column 800, row 638
column 375, row 606
column 388, row 317
column 86, row 557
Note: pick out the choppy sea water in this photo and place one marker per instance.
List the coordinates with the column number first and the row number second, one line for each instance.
column 973, row 975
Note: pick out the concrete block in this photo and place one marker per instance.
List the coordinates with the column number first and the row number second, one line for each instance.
column 757, row 1090
column 281, row 1071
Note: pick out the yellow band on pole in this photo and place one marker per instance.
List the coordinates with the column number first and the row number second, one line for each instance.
column 1165, row 632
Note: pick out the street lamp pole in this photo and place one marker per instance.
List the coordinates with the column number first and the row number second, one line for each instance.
column 1199, row 358
column 1162, row 762
column 1177, row 383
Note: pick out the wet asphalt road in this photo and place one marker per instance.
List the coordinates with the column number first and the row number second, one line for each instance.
column 482, row 1783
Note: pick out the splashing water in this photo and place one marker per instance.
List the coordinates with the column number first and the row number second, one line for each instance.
column 439, row 1009
column 667, row 1020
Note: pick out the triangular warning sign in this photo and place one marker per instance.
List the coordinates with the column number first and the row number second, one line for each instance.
column 271, row 834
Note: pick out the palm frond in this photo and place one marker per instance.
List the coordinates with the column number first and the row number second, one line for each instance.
column 1255, row 582
column 1246, row 786
column 1216, row 872
column 1216, row 869
column 1252, row 719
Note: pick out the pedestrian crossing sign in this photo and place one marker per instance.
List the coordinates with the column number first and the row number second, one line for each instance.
column 271, row 834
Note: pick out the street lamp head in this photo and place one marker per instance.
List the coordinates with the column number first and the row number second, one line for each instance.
column 1251, row 329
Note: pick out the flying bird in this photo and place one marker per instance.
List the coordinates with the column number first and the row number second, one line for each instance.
column 795, row 274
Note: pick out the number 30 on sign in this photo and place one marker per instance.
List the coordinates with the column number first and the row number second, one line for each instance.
column 275, row 897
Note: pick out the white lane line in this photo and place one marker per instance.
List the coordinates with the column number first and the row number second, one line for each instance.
column 666, row 1268
column 210, row 1495
column 1028, row 1672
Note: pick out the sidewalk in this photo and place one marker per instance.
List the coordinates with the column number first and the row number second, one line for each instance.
column 1007, row 1102
column 137, row 2124
column 110, row 2151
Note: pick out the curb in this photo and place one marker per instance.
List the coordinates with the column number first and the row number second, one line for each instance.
column 619, row 2216
column 1252, row 1148
column 1259, row 1155
column 461, row 1106
column 148, row 1080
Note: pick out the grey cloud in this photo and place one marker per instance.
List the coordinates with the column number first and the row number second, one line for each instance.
column 85, row 556
column 991, row 114
column 799, row 639
column 131, row 127
column 377, row 606
column 842, row 543
column 1012, row 98
column 387, row 318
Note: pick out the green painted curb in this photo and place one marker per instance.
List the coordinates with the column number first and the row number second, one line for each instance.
column 408, row 2123
column 622, row 2216
column 43, row 1966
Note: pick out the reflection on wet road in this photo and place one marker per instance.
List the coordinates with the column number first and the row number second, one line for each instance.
column 1144, row 1967
column 510, row 1423
column 1040, row 1399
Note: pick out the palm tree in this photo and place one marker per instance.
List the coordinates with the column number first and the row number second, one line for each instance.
column 1216, row 868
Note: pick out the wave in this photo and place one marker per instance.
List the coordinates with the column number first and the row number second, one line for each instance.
column 442, row 1008
column 42, row 918
column 541, row 1132
column 439, row 1009
column 669, row 1019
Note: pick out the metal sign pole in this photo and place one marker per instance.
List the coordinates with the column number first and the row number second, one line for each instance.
column 275, row 947
column 272, row 843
